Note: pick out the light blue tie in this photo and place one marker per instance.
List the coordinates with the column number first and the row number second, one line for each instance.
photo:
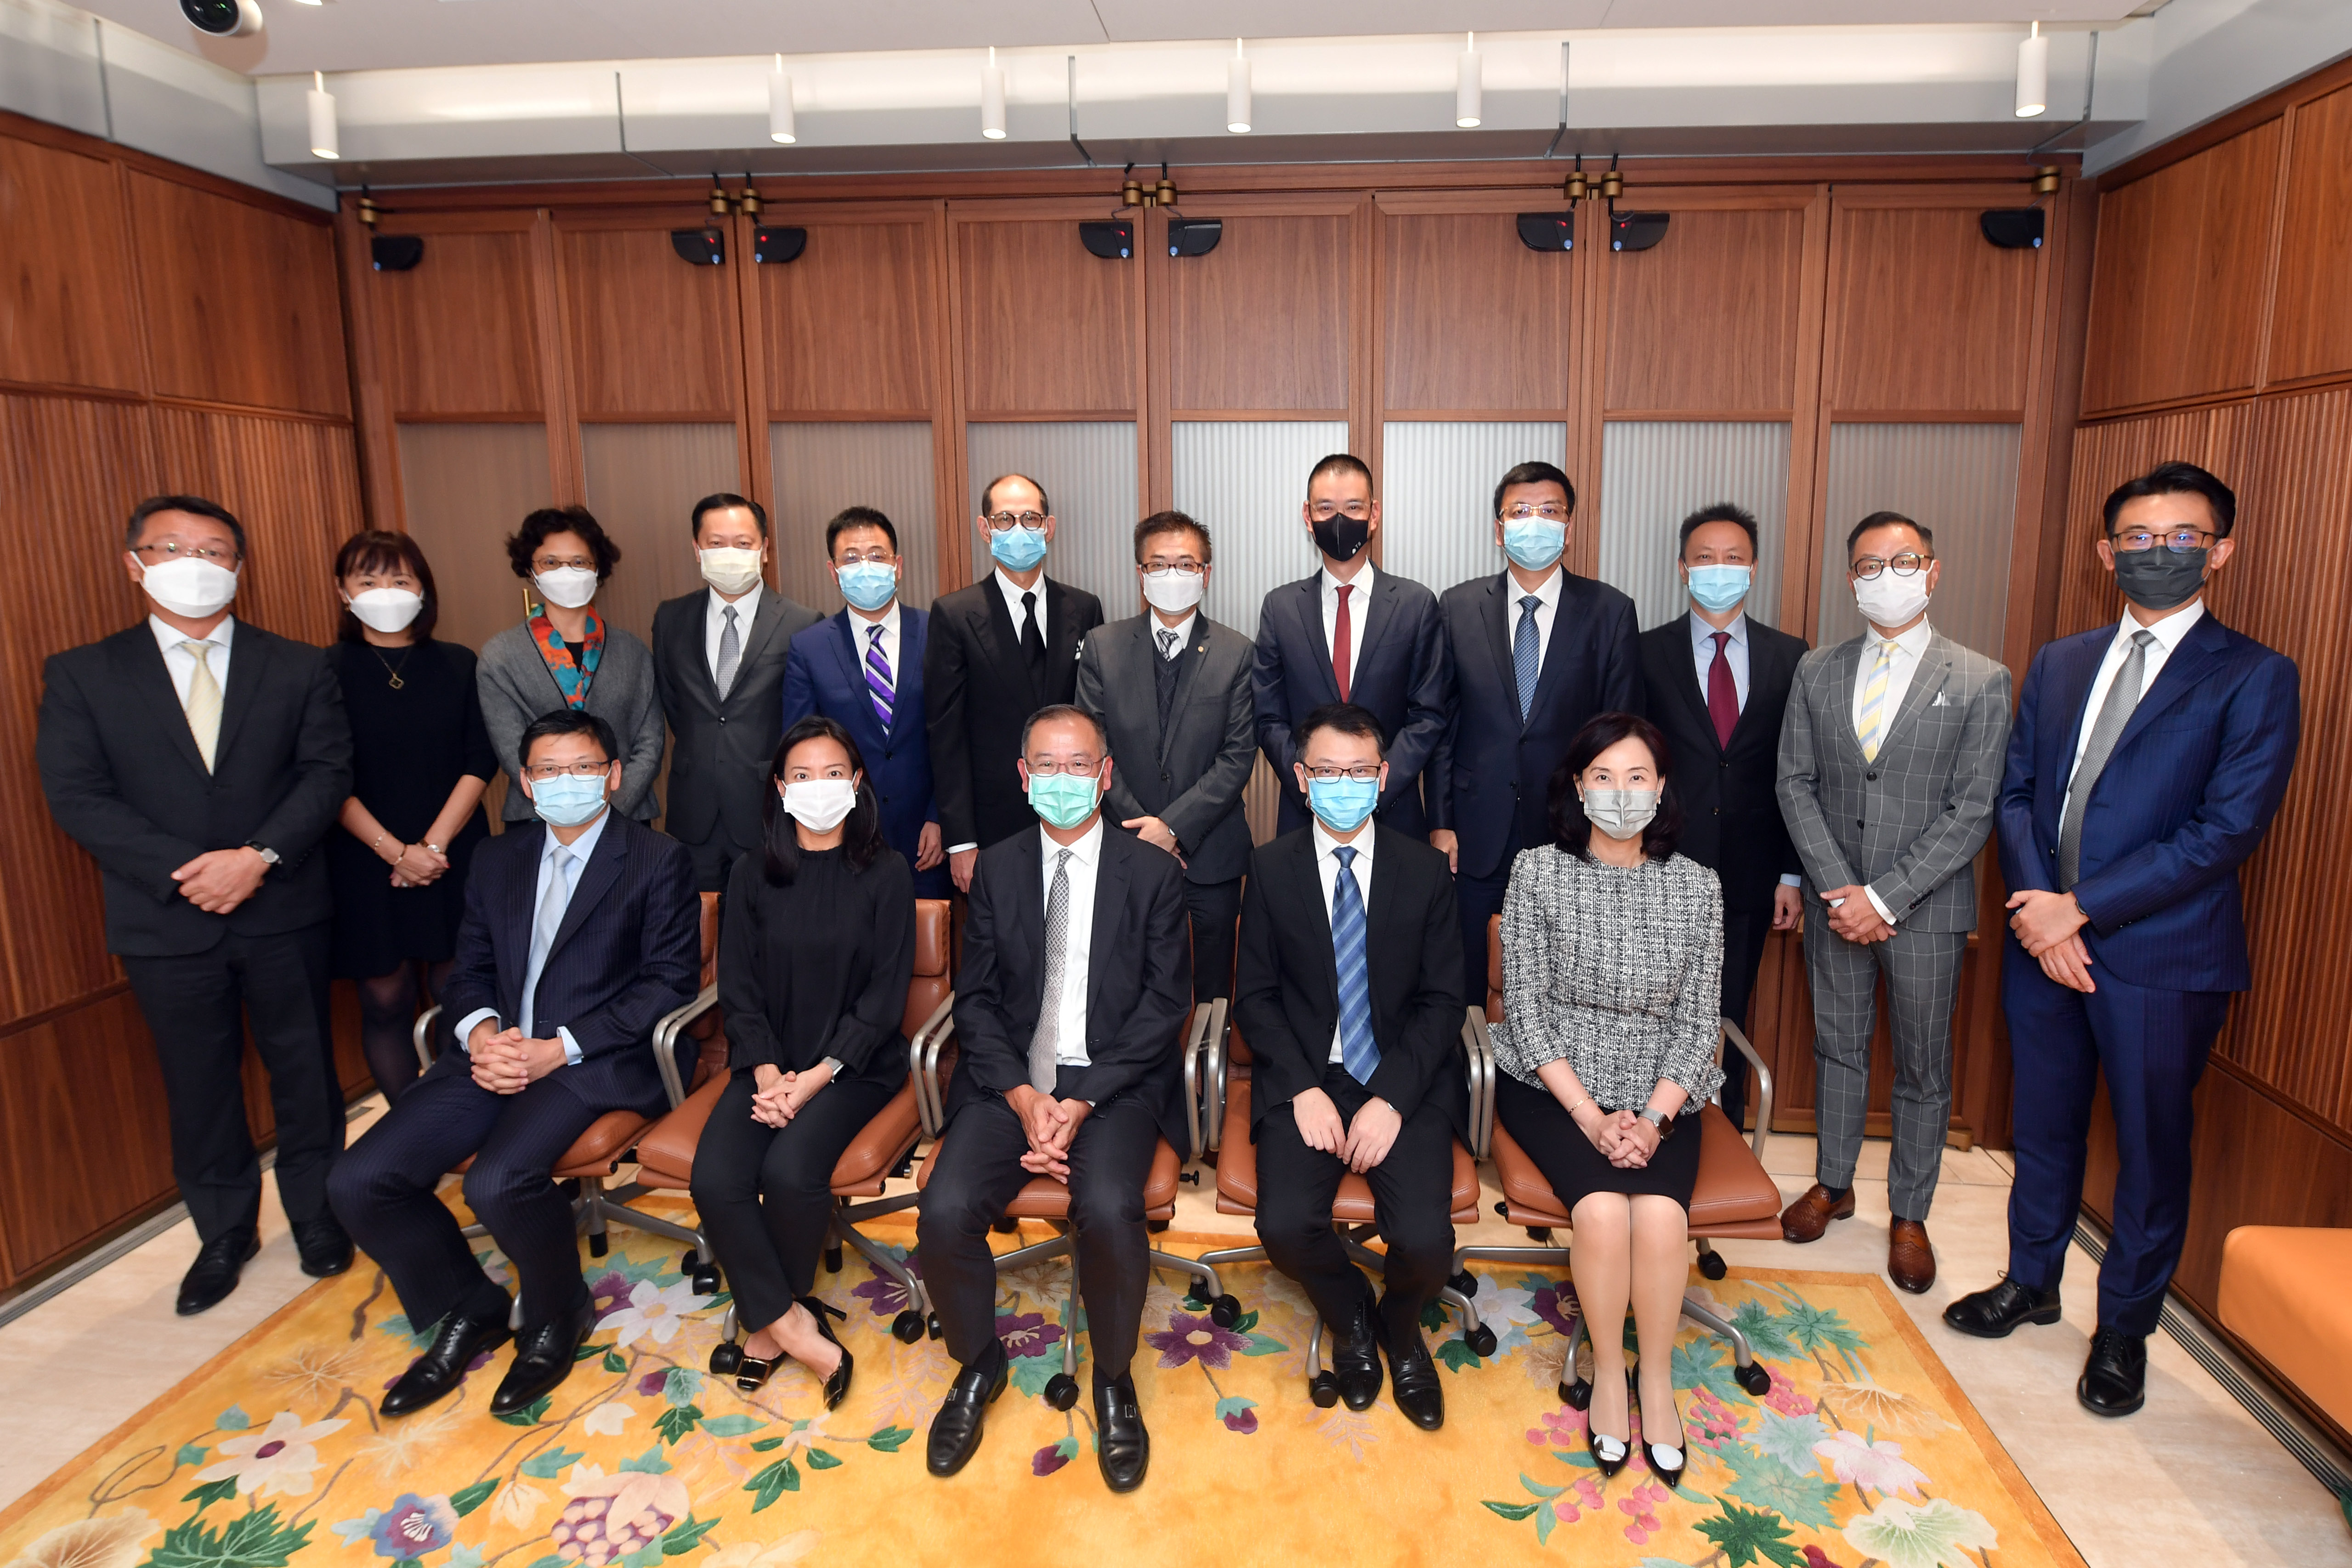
column 1358, row 1053
column 1525, row 646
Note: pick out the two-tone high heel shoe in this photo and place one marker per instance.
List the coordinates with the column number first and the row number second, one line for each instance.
column 1602, row 1459
column 1668, row 1471
column 755, row 1371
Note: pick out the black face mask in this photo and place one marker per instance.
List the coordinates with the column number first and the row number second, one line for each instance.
column 1341, row 537
column 2160, row 578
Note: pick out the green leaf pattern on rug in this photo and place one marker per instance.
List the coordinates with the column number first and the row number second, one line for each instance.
column 255, row 1539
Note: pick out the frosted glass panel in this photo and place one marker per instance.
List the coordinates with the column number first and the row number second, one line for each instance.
column 1961, row 480
column 1089, row 472
column 1245, row 479
column 1437, row 493
column 822, row 468
column 465, row 487
column 1655, row 473
column 642, row 483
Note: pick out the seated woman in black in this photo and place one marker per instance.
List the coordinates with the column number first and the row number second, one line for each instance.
column 815, row 950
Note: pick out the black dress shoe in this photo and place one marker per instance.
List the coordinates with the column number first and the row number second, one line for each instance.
column 543, row 1359
column 213, row 1274
column 1992, row 1314
column 1412, row 1378
column 955, row 1430
column 836, row 1386
column 2114, row 1379
column 325, row 1250
column 1356, row 1361
column 444, row 1364
column 1122, row 1447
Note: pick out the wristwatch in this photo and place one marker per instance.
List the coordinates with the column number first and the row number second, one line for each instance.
column 1656, row 1118
column 268, row 856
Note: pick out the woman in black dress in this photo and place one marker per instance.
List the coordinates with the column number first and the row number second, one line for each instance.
column 814, row 954
column 420, row 761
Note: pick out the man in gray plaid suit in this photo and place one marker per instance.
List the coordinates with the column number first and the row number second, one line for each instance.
column 1890, row 766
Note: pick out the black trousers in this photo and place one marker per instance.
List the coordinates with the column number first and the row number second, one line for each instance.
column 1412, row 1205
column 1743, row 954
column 715, row 857
column 765, row 1193
column 1480, row 898
column 198, row 1007
column 383, row 1192
column 978, row 1173
column 1216, row 909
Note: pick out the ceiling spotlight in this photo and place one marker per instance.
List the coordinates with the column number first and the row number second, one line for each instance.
column 780, row 105
column 2032, row 74
column 992, row 99
column 322, row 118
column 1237, row 92
column 1468, row 85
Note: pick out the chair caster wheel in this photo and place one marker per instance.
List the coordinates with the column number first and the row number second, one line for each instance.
column 1465, row 1281
column 1712, row 1266
column 597, row 1244
column 832, row 1259
column 1576, row 1396
column 1481, row 1340
column 1225, row 1311
column 931, row 1327
column 907, row 1327
column 1006, row 1228
column 1754, row 1378
column 706, row 1279
column 726, row 1359
column 1539, row 1236
column 1324, row 1389
column 1061, row 1391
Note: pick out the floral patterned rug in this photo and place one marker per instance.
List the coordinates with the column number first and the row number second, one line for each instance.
column 1862, row 1453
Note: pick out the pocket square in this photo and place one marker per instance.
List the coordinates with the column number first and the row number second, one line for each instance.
column 1941, row 701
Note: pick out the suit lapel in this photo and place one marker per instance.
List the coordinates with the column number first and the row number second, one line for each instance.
column 2073, row 678
column 517, row 901
column 1379, row 608
column 848, row 648
column 686, row 652
column 993, row 628
column 1844, row 670
column 1495, row 609
column 914, row 628
column 1687, row 680
column 151, row 679
column 2190, row 662
column 764, row 631
column 1312, row 915
column 1188, row 667
column 1024, row 924
column 1061, row 637
column 597, row 880
column 247, row 666
column 1111, row 898
column 1927, row 683
column 1562, row 650
column 1763, row 669
column 1310, row 622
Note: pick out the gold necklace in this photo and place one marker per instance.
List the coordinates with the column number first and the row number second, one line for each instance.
column 394, row 675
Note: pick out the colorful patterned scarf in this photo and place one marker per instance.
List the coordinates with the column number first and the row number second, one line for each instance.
column 571, row 679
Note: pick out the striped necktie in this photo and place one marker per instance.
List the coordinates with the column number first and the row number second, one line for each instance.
column 1359, row 1053
column 1525, row 645
column 877, row 677
column 1871, row 728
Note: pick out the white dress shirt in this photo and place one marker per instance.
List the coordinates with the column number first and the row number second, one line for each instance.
column 1326, row 872
column 1547, row 611
column 1357, row 604
column 1909, row 649
column 1182, row 630
column 1013, row 592
column 578, row 850
column 714, row 625
column 1735, row 653
column 2169, row 635
column 1077, row 937
column 182, row 664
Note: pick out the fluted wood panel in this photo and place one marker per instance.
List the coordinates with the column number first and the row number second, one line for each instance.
column 1707, row 321
column 457, row 334
column 2311, row 320
column 66, row 306
column 1925, row 315
column 853, row 325
column 1471, row 319
column 1048, row 327
column 1260, row 323
column 2215, row 439
column 650, row 334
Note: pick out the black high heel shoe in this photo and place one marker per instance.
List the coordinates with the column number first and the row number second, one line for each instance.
column 1592, row 1439
column 751, row 1373
column 836, row 1386
column 1670, row 1477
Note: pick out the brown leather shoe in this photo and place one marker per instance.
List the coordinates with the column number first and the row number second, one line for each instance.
column 1809, row 1215
column 1910, row 1259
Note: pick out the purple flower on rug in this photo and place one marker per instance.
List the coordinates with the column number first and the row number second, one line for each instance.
column 1051, row 1458
column 1188, row 1338
column 885, row 1297
column 610, row 1294
column 1242, row 1421
column 653, row 1384
column 1817, row 1558
column 1027, row 1333
column 482, row 1360
column 1556, row 1304
column 413, row 1526
column 1561, row 1429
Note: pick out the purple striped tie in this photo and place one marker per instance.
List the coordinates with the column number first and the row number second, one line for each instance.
column 877, row 676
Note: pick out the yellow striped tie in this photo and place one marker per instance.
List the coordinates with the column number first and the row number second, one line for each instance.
column 203, row 704
column 1872, row 725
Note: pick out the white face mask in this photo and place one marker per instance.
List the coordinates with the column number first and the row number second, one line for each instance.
column 820, row 804
column 387, row 610
column 1887, row 599
column 730, row 570
column 188, row 586
column 567, row 587
column 1173, row 591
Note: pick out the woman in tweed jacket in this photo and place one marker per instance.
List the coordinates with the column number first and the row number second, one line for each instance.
column 1613, row 957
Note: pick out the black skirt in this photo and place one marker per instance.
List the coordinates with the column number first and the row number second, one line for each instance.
column 1539, row 1124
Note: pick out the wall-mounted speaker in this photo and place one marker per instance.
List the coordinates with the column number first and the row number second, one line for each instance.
column 395, row 253
column 1113, row 239
column 1548, row 231
column 1194, row 237
column 1636, row 231
column 703, row 247
column 2012, row 228
column 773, row 242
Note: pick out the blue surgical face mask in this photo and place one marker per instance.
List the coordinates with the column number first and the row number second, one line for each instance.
column 1719, row 588
column 867, row 584
column 1017, row 549
column 1534, row 544
column 1342, row 804
column 567, row 800
column 1063, row 799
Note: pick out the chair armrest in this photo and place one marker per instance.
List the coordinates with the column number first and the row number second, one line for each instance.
column 665, row 1035
column 1208, row 1025
column 1479, row 1051
column 923, row 1064
column 421, row 1036
column 1731, row 1033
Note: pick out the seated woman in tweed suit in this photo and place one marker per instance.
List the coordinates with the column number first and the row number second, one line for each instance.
column 1613, row 957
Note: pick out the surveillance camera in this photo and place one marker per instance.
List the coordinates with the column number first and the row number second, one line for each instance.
column 223, row 19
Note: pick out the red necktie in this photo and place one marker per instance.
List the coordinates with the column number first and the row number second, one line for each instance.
column 1722, row 692
column 1340, row 632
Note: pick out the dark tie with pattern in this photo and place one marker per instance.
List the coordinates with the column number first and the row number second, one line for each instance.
column 1342, row 635
column 1359, row 1053
column 1722, row 692
column 1163, row 678
column 1045, row 1057
column 1527, row 645
column 2114, row 714
column 877, row 677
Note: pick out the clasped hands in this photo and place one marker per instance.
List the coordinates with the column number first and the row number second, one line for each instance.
column 505, row 1063
column 218, row 881
column 778, row 1094
column 1623, row 1138
column 2049, row 926
column 1360, row 1143
column 1854, row 916
column 1050, row 1124
column 418, row 865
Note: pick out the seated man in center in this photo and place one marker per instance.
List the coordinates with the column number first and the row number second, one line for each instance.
column 1076, row 980
column 1350, row 995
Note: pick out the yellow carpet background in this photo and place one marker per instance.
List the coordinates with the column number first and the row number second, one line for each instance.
column 1862, row 1451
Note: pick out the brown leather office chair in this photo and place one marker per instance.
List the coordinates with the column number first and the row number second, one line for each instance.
column 1734, row 1196
column 1228, row 1118
column 665, row 1150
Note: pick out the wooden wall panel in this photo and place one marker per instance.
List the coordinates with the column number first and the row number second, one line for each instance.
column 1046, row 327
column 457, row 334
column 2311, row 320
column 240, row 301
column 853, row 327
column 2217, row 439
column 1471, row 319
column 652, row 336
column 1707, row 321
column 1925, row 314
column 1261, row 322
column 68, row 315
column 2177, row 293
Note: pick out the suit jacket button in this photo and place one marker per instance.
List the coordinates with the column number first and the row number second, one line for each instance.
column 1719, row 811
column 1860, row 823
column 1872, row 777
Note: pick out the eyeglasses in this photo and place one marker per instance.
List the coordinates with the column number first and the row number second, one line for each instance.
column 1910, row 563
column 1182, row 568
column 1324, row 511
column 1032, row 521
column 857, row 556
column 541, row 771
column 551, row 563
column 1548, row 513
column 2181, row 541
column 173, row 549
column 1368, row 773
column 1075, row 770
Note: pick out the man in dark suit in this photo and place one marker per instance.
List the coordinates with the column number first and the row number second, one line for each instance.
column 1536, row 650
column 1354, row 635
column 999, row 650
column 1715, row 682
column 2145, row 763
column 200, row 760
column 1076, row 980
column 862, row 668
column 580, row 932
column 719, row 669
column 1172, row 689
column 1351, row 998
